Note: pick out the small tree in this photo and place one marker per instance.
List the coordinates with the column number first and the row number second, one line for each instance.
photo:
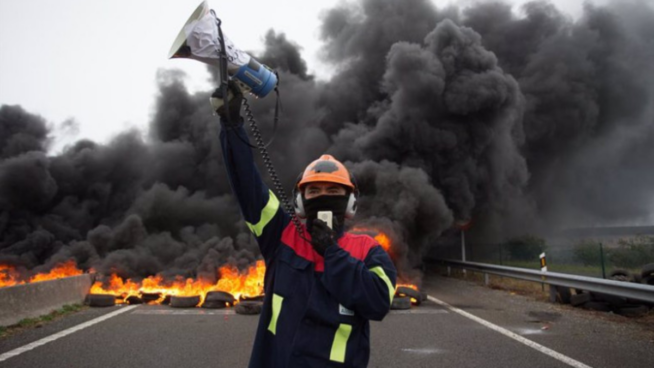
column 525, row 248
column 587, row 252
column 633, row 253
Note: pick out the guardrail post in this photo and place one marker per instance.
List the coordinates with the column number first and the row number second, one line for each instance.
column 602, row 261
column 552, row 294
column 449, row 271
column 486, row 279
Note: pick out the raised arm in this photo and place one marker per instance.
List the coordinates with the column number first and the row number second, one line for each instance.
column 261, row 209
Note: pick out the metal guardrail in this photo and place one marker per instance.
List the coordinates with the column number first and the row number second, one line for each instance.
column 618, row 288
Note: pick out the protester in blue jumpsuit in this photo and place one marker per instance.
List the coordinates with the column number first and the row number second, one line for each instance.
column 322, row 286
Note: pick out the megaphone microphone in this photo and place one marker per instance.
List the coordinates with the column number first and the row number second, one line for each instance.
column 202, row 39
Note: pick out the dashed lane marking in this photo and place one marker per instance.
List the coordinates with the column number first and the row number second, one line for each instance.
column 59, row 335
column 545, row 350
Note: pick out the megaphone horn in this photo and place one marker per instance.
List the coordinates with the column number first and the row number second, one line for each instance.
column 200, row 39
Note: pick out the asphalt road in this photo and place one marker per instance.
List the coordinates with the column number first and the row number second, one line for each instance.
column 431, row 335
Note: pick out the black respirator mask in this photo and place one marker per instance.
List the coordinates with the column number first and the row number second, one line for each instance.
column 337, row 204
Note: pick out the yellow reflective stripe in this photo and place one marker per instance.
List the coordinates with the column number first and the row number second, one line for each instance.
column 276, row 309
column 382, row 275
column 267, row 214
column 340, row 343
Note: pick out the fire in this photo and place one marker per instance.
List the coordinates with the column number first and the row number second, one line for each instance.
column 410, row 286
column 381, row 238
column 384, row 241
column 237, row 284
column 66, row 269
column 248, row 284
column 9, row 276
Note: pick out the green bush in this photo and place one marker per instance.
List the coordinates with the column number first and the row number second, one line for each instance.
column 587, row 252
column 632, row 253
column 525, row 248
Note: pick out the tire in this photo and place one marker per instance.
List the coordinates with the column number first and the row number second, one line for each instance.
column 579, row 299
column 598, row 306
column 615, row 301
column 632, row 310
column 637, row 278
column 150, row 297
column 647, row 270
column 248, row 308
column 619, row 272
column 563, row 294
column 166, row 300
column 101, row 300
column 184, row 301
column 258, row 298
column 649, row 280
column 133, row 300
column 218, row 300
column 401, row 303
column 411, row 293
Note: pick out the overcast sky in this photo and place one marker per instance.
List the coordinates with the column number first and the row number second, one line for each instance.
column 96, row 61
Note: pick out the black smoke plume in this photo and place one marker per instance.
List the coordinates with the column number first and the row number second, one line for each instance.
column 523, row 120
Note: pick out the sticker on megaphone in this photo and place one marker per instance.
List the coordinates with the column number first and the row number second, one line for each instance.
column 199, row 39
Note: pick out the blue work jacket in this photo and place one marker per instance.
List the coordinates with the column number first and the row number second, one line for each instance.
column 316, row 309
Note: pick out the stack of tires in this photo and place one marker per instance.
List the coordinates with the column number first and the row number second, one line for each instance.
column 609, row 303
column 406, row 296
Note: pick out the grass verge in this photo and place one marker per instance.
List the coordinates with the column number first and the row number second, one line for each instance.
column 40, row 321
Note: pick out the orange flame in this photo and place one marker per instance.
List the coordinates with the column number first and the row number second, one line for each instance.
column 249, row 283
column 66, row 269
column 384, row 241
column 381, row 238
column 9, row 276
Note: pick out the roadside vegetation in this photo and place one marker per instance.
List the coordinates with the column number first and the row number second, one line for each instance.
column 40, row 321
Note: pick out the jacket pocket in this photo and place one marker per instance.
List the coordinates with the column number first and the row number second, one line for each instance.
column 292, row 273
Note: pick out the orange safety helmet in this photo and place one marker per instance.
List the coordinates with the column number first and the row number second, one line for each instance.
column 326, row 169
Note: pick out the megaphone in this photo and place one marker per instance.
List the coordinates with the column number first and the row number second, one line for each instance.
column 202, row 39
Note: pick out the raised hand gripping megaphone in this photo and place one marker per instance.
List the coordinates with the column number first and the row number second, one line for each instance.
column 202, row 39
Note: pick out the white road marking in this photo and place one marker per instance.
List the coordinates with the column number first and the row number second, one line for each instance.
column 187, row 312
column 558, row 356
column 59, row 335
column 423, row 351
column 420, row 311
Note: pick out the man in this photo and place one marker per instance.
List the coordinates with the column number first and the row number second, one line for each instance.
column 322, row 286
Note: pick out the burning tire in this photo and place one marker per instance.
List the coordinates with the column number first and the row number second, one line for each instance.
column 184, row 301
column 101, row 300
column 166, row 300
column 218, row 300
column 413, row 294
column 579, row 299
column 150, row 297
column 258, row 298
column 647, row 270
column 401, row 303
column 133, row 300
column 248, row 308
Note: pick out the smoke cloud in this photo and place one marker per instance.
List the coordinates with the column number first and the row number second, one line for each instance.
column 521, row 120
